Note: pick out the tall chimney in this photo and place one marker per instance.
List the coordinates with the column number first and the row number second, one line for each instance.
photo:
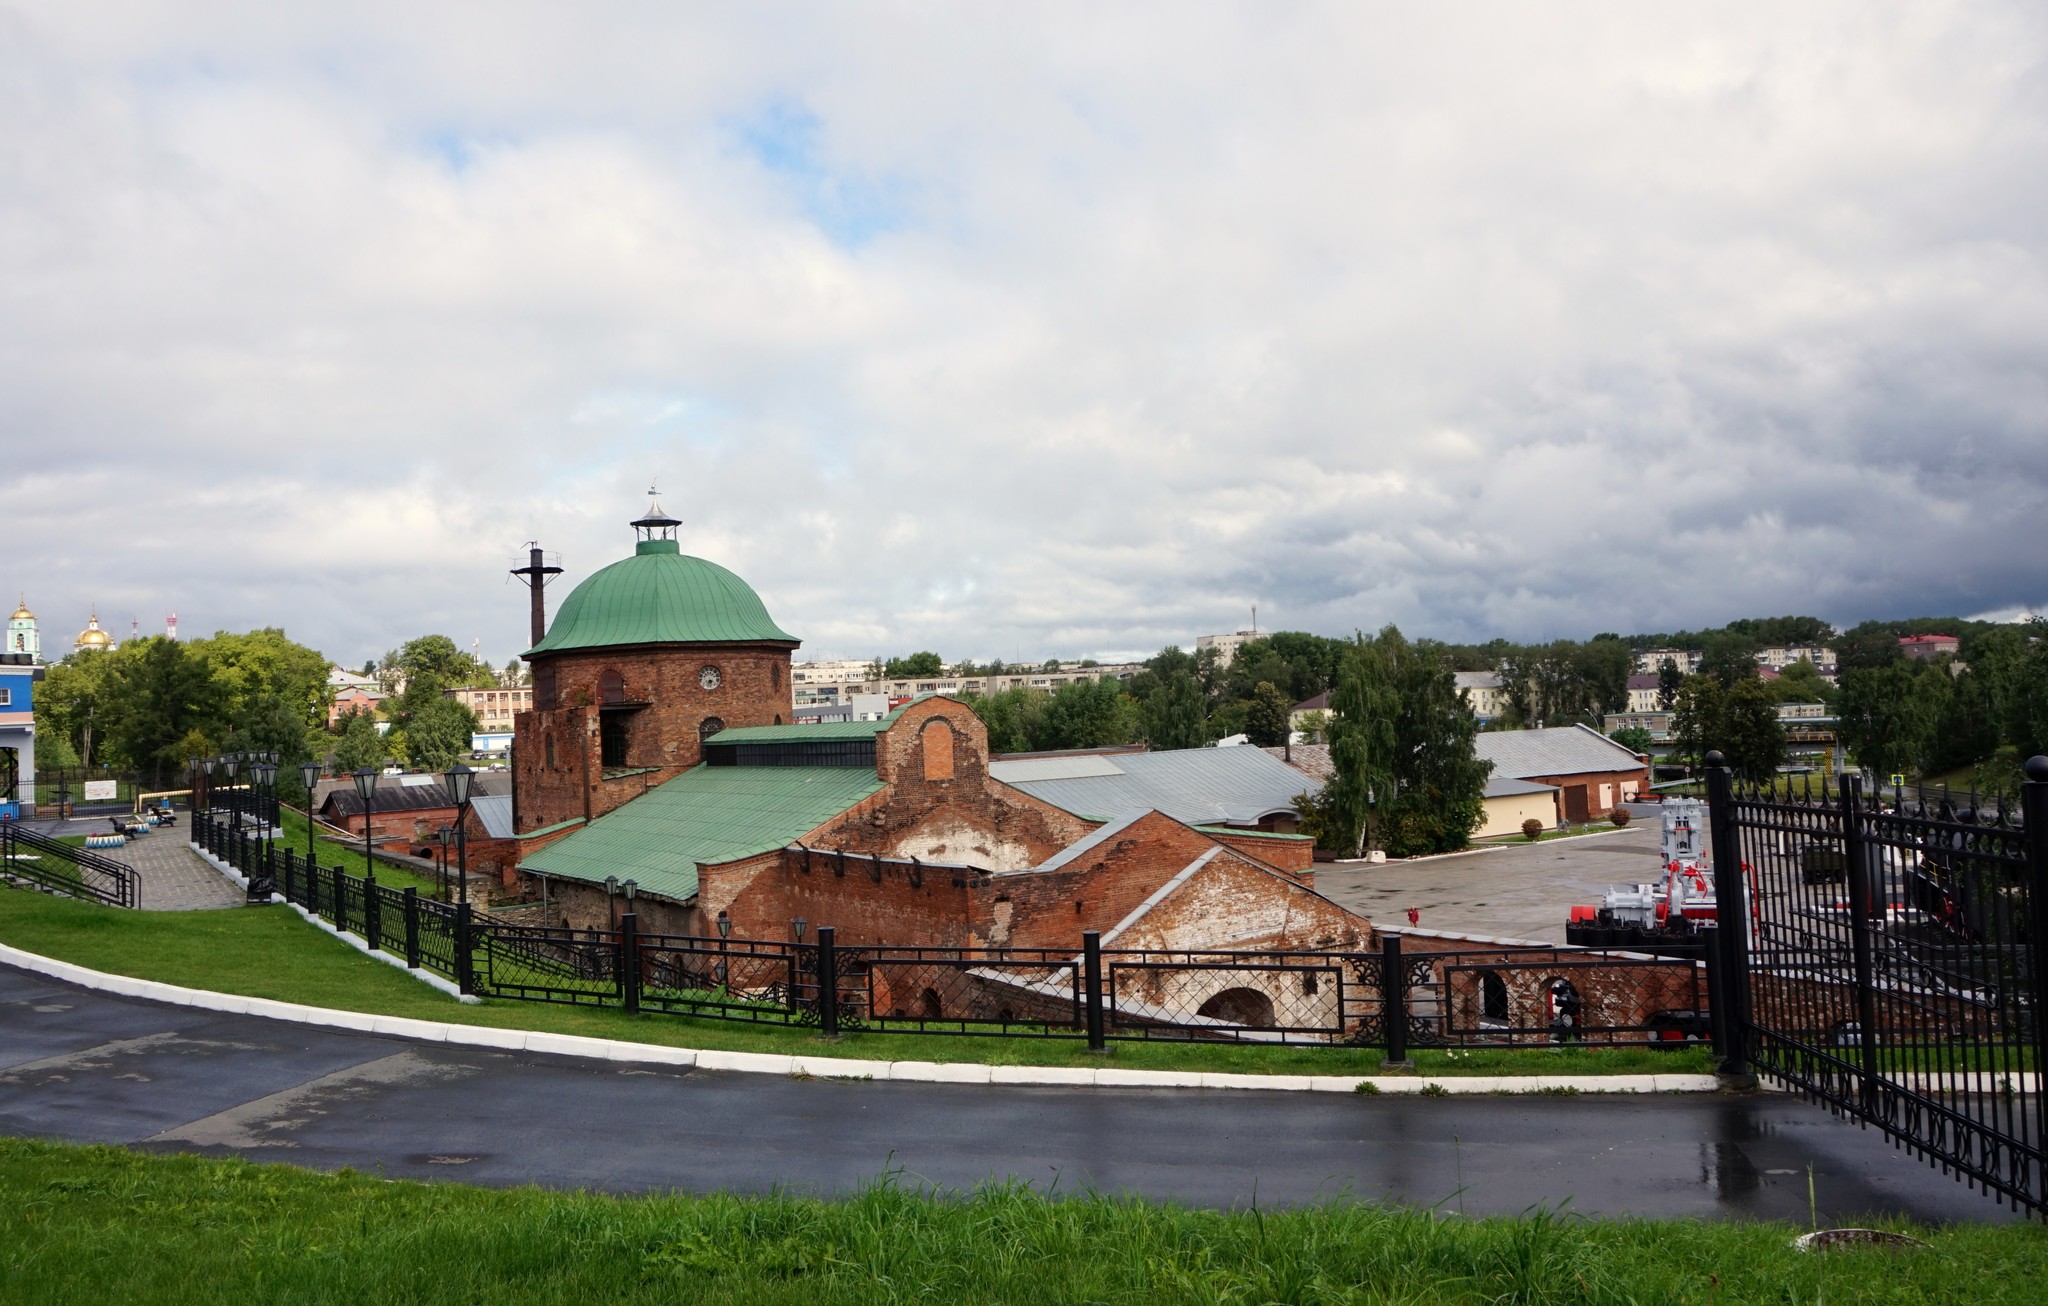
column 536, row 573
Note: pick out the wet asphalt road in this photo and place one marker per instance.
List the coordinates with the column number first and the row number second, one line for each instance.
column 86, row 1067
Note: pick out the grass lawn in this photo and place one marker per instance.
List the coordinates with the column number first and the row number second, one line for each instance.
column 269, row 952
column 349, row 856
column 102, row 1224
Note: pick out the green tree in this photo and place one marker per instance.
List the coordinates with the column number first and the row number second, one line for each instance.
column 1177, row 715
column 437, row 735
column 1669, row 681
column 265, row 666
column 1884, row 723
column 271, row 723
column 1086, row 714
column 1406, row 774
column 1265, row 718
column 1729, row 656
column 1748, row 733
column 71, row 703
column 1364, row 707
column 1634, row 738
column 436, row 659
column 162, row 692
column 1696, row 718
column 359, row 746
column 923, row 664
column 1314, row 724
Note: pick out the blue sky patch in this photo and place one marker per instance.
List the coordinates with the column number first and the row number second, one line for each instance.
column 850, row 207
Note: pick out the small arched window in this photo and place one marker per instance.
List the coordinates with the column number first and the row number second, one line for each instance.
column 710, row 726
column 1493, row 998
column 611, row 687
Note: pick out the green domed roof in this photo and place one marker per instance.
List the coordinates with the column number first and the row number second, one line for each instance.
column 660, row 596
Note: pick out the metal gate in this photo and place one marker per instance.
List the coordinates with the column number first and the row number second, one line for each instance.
column 1885, row 958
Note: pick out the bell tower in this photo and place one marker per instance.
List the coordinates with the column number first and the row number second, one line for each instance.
column 22, row 638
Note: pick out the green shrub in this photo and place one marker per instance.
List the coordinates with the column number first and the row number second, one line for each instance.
column 1532, row 829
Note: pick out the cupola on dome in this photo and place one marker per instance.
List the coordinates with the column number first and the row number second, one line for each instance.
column 660, row 595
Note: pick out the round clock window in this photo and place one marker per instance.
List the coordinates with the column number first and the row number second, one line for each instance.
column 709, row 677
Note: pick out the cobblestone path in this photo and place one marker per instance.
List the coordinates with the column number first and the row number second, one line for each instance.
column 173, row 877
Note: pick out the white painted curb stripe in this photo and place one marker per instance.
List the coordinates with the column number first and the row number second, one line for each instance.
column 823, row 1067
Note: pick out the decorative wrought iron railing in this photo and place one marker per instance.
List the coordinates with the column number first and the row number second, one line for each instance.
column 38, row 861
column 1890, row 960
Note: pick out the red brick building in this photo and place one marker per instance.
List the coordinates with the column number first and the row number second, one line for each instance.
column 644, row 661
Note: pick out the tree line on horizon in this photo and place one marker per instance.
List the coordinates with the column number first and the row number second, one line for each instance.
column 152, row 704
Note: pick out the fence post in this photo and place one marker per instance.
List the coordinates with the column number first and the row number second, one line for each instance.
column 1091, row 988
column 629, row 962
column 1717, row 1005
column 1866, row 901
column 465, row 973
column 2034, row 810
column 1731, row 915
column 1394, row 1003
column 828, row 983
column 412, row 928
column 373, row 916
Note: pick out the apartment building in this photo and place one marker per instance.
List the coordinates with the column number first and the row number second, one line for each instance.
column 494, row 706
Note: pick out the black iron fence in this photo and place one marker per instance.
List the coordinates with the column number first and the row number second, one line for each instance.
column 1495, row 996
column 41, row 862
column 1888, row 959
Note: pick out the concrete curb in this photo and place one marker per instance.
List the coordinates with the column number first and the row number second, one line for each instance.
column 822, row 1067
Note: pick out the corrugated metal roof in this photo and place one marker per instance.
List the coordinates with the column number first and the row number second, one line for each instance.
column 1056, row 768
column 804, row 732
column 1559, row 750
column 1201, row 786
column 1507, row 787
column 659, row 596
column 495, row 811
column 709, row 814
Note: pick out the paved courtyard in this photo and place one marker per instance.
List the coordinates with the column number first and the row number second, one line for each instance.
column 172, row 876
column 1520, row 891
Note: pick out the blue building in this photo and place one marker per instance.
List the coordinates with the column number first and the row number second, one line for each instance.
column 20, row 668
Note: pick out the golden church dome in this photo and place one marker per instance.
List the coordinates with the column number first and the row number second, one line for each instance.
column 22, row 613
column 92, row 636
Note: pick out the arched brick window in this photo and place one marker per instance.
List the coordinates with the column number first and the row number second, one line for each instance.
column 611, row 687
column 937, row 741
column 775, row 675
column 710, row 726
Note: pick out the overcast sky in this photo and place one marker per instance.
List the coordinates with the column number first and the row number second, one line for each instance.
column 1026, row 331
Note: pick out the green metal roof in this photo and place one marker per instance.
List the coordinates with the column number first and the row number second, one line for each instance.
column 805, row 734
column 660, row 595
column 709, row 814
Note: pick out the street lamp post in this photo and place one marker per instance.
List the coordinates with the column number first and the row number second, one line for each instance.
column 366, row 789
column 229, row 762
column 309, row 775
column 261, row 882
column 459, row 778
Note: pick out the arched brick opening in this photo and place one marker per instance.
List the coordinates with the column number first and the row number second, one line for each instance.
column 1245, row 1008
column 936, row 742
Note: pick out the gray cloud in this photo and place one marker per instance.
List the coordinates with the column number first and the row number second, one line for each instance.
column 1027, row 332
